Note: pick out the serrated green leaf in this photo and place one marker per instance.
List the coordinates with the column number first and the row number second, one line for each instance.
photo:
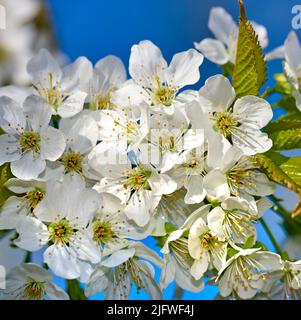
column 286, row 139
column 286, row 122
column 249, row 72
column 287, row 103
column 292, row 167
column 271, row 165
column 272, row 169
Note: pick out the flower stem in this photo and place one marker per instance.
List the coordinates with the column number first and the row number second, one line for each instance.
column 74, row 290
column 27, row 257
column 271, row 236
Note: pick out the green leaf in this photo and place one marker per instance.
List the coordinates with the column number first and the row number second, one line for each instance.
column 250, row 242
column 231, row 252
column 288, row 103
column 286, row 139
column 272, row 165
column 269, row 164
column 249, row 72
column 286, row 122
column 160, row 241
column 292, row 167
column 4, row 176
column 228, row 69
column 74, row 290
column 169, row 228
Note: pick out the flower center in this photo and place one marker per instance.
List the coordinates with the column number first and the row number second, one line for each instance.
column 129, row 127
column 61, row 232
column 224, row 122
column 34, row 197
column 208, row 240
column 167, row 142
column 52, row 94
column 34, row 290
column 100, row 102
column 163, row 94
column 30, row 141
column 73, row 162
column 136, row 179
column 102, row 232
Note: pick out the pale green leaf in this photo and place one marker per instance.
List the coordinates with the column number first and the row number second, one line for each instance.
column 249, row 72
column 286, row 139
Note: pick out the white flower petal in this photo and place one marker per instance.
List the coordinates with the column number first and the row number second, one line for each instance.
column 167, row 273
column 62, row 261
column 144, row 252
column 215, row 221
column 195, row 190
column 83, row 135
column 28, row 167
column 41, row 65
column 77, row 75
column 186, row 281
column 147, row 277
column 222, row 24
column 213, row 50
column 277, row 53
column 118, row 258
column 292, row 50
column 52, row 143
column 9, row 147
column 184, row 68
column 217, row 94
column 33, row 234
column 162, row 184
column 111, row 72
column 85, row 247
column 146, row 62
column 98, row 282
column 251, row 140
column 200, row 266
column 12, row 212
column 11, row 116
column 72, row 105
column 54, row 292
column 139, row 206
column 216, row 185
column 253, row 110
column 261, row 185
column 37, row 112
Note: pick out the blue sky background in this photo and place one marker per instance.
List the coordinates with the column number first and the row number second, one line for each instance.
column 95, row 28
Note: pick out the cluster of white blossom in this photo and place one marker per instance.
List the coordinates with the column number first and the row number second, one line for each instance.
column 101, row 162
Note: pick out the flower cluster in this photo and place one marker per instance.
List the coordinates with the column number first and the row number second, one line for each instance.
column 100, row 162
